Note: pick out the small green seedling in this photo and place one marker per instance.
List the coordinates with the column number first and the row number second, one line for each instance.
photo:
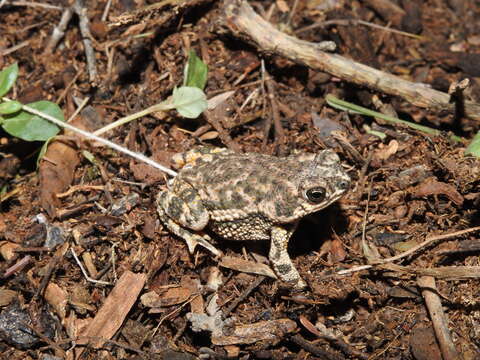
column 19, row 123
column 357, row 109
column 189, row 100
column 195, row 74
column 472, row 149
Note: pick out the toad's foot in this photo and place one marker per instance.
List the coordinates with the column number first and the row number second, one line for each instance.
column 281, row 262
column 190, row 238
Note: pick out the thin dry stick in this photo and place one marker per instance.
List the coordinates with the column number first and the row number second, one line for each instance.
column 14, row 48
column 171, row 313
column 428, row 241
column 243, row 22
column 292, row 12
column 52, row 264
column 78, row 109
column 67, row 89
column 313, row 349
column 441, row 272
column 268, row 119
column 243, row 296
column 368, row 252
column 438, row 317
column 84, row 23
column 19, row 265
column 432, row 239
column 59, row 30
column 46, row 339
column 339, row 343
column 106, row 10
column 94, row 338
column 36, row 4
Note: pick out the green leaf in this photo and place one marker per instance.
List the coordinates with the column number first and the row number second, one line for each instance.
column 195, row 72
column 43, row 151
column 10, row 107
column 31, row 127
column 190, row 102
column 474, row 147
column 8, row 77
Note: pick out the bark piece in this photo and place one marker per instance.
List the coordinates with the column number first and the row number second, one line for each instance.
column 56, row 174
column 273, row 330
column 433, row 187
column 114, row 310
column 247, row 266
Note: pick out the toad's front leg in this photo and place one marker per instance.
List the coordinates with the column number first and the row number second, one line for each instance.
column 281, row 262
column 181, row 210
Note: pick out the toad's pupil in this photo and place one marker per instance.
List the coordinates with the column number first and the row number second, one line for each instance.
column 316, row 195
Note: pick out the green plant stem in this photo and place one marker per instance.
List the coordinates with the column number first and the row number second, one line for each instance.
column 346, row 106
column 163, row 106
column 103, row 141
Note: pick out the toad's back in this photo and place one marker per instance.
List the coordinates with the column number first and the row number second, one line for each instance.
column 238, row 185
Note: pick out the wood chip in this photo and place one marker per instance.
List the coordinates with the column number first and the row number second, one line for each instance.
column 273, row 330
column 114, row 310
column 433, row 187
column 7, row 296
column 246, row 266
column 57, row 298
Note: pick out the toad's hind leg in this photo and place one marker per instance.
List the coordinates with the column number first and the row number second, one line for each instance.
column 190, row 238
column 281, row 262
column 181, row 209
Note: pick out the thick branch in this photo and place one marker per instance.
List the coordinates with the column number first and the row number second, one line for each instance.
column 243, row 22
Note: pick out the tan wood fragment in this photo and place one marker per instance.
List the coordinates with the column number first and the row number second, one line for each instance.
column 113, row 311
column 246, row 266
column 272, row 330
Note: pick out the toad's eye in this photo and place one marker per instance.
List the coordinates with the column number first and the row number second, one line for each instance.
column 344, row 184
column 316, row 194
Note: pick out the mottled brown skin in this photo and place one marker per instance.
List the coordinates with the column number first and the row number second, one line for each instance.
column 250, row 197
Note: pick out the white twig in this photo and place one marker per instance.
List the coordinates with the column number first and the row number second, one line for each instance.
column 84, row 272
column 79, row 108
column 106, row 10
column 101, row 140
